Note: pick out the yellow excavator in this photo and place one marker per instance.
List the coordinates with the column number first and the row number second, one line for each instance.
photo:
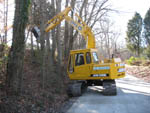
column 84, row 67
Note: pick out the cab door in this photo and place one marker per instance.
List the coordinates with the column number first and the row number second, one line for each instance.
column 82, row 66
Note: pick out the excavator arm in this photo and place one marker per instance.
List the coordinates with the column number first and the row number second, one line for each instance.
column 56, row 20
column 80, row 27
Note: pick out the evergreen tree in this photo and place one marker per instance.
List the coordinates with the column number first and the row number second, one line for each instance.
column 147, row 27
column 134, row 30
column 147, row 32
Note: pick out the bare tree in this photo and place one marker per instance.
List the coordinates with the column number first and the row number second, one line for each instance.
column 53, row 32
column 4, row 18
column 58, row 30
column 16, row 54
column 93, row 12
column 107, row 38
column 66, row 35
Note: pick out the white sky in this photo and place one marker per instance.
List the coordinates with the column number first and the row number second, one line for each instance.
column 127, row 9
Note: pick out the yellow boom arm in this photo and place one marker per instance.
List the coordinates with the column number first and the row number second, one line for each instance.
column 80, row 27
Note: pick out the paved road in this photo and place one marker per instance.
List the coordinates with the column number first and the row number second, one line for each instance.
column 133, row 97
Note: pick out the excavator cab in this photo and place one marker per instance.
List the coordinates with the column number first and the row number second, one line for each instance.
column 85, row 65
column 79, row 64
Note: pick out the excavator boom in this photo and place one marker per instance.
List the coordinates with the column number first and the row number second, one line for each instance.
column 56, row 20
column 80, row 27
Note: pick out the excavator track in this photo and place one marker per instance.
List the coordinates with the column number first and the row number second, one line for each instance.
column 76, row 89
column 109, row 87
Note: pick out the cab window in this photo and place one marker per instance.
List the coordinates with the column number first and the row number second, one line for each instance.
column 79, row 59
column 95, row 57
column 88, row 57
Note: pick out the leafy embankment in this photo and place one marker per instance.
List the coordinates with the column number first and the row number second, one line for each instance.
column 35, row 98
column 138, row 61
column 142, row 72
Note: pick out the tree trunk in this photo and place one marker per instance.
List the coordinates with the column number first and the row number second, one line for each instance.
column 53, row 34
column 32, row 49
column 71, row 35
column 5, row 19
column 16, row 54
column 53, row 45
column 66, row 36
column 58, row 42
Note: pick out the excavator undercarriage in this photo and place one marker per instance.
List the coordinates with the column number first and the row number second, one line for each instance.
column 77, row 88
